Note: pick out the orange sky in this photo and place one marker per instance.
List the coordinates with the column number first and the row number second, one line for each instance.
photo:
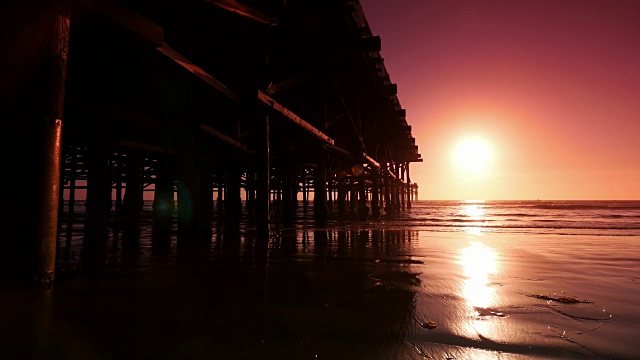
column 552, row 85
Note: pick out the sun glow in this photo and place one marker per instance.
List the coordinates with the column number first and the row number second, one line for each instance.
column 472, row 154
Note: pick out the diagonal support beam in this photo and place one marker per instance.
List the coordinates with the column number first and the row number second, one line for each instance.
column 143, row 147
column 199, row 72
column 223, row 137
column 346, row 110
column 144, row 28
column 244, row 10
column 270, row 102
column 371, row 161
column 154, row 34
column 287, row 84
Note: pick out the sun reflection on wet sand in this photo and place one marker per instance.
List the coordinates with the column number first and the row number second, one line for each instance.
column 479, row 265
column 479, row 261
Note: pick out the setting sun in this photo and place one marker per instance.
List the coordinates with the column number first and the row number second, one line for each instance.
column 472, row 154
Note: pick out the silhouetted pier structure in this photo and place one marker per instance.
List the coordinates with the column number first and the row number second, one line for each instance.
column 279, row 102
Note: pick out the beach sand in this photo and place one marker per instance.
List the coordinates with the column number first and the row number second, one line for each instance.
column 349, row 292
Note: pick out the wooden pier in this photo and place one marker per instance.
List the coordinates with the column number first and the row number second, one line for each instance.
column 212, row 102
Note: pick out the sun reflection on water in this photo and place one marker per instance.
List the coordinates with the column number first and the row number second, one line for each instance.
column 474, row 211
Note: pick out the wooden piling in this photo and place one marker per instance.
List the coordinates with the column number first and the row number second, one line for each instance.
column 98, row 202
column 232, row 200
column 363, row 209
column 132, row 201
column 375, row 195
column 342, row 196
column 71, row 202
column 409, row 187
column 320, row 211
column 163, row 196
column 263, row 171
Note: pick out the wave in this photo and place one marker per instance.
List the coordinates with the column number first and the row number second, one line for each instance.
column 584, row 207
column 515, row 223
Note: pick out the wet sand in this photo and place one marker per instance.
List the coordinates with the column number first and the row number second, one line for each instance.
column 360, row 291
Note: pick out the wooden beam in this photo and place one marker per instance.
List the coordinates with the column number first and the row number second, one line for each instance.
column 341, row 151
column 270, row 102
column 286, row 84
column 391, row 174
column 335, row 120
column 391, row 89
column 370, row 44
column 139, row 146
column 144, row 28
column 153, row 33
column 346, row 110
column 246, row 11
column 199, row 72
column 247, row 132
column 370, row 160
column 223, row 137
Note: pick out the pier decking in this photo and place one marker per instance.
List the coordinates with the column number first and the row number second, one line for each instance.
column 212, row 102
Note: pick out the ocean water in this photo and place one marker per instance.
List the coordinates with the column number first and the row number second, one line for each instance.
column 568, row 217
column 443, row 280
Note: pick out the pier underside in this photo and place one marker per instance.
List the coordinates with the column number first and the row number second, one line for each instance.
column 202, row 106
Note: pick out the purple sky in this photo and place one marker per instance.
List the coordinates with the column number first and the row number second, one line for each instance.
column 552, row 86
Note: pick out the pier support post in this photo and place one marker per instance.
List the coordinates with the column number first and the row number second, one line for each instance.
column 329, row 196
column 353, row 195
column 396, row 188
column 342, row 196
column 388, row 206
column 320, row 189
column 35, row 113
column 189, row 204
column 403, row 188
column 263, row 194
column 289, row 192
column 375, row 196
column 232, row 200
column 305, row 191
column 163, row 202
column 409, row 187
column 72, row 183
column 251, row 192
column 190, row 219
column 206, row 190
column 98, row 201
column 220, row 183
column 132, row 202
column 116, row 171
column 363, row 209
